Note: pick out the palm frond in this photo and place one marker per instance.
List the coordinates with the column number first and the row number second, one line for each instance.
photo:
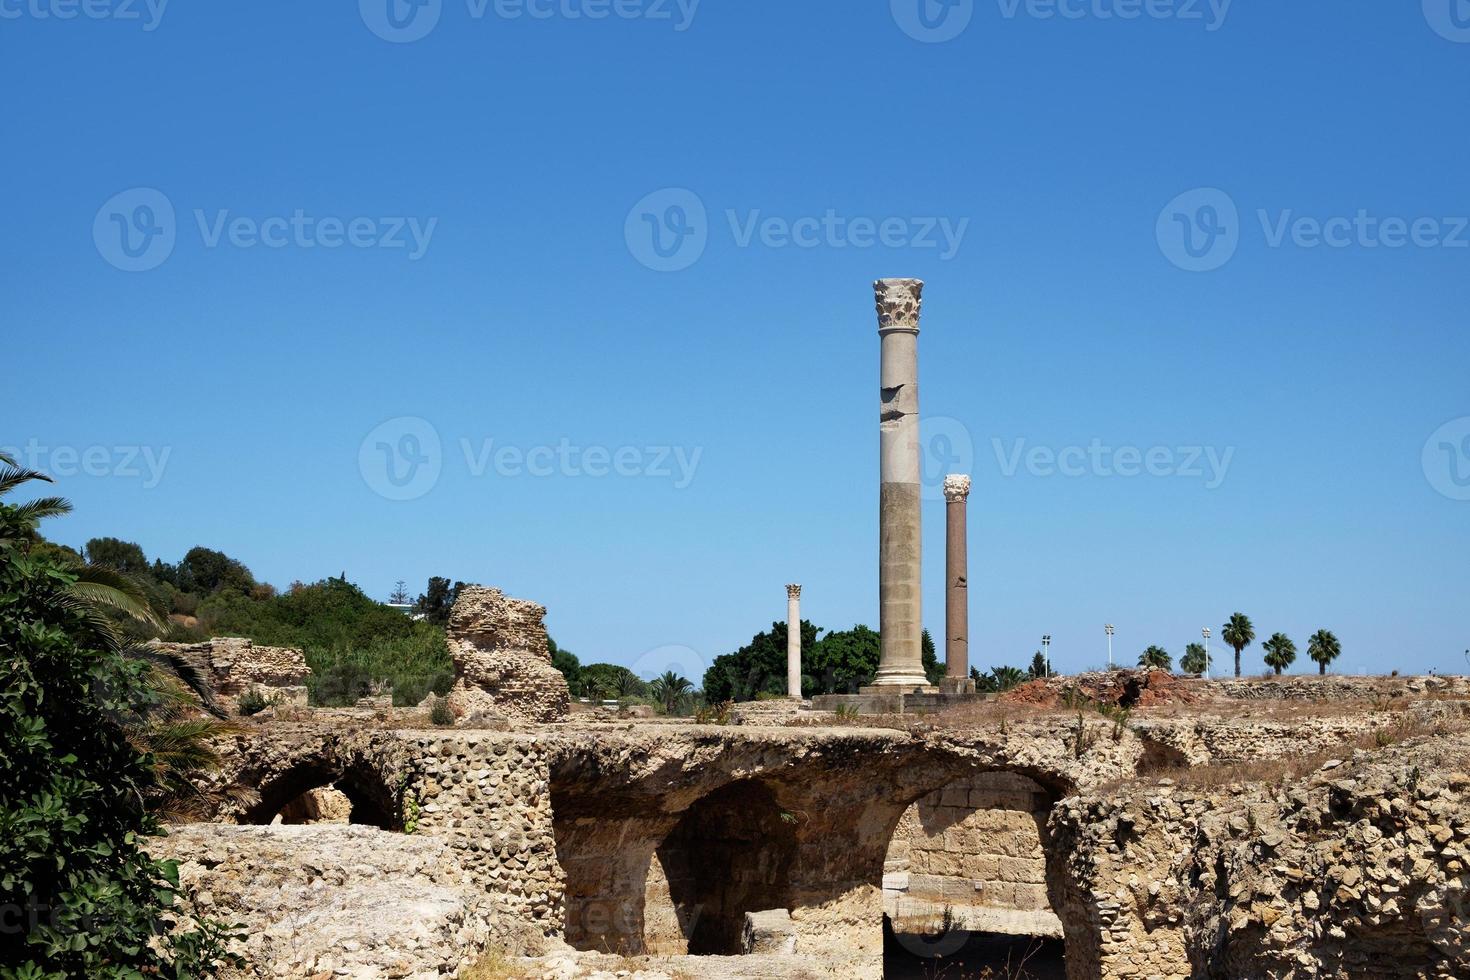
column 108, row 587
column 13, row 475
column 192, row 674
column 33, row 512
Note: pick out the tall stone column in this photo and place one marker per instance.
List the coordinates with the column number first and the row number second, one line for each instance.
column 900, row 622
column 793, row 641
column 956, row 586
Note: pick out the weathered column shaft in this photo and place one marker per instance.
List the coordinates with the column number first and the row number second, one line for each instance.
column 793, row 641
column 900, row 618
column 956, row 583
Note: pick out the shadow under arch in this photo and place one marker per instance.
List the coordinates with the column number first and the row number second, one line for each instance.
column 374, row 802
column 730, row 853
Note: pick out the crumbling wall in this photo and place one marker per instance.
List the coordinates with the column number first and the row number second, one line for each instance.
column 238, row 665
column 1335, row 687
column 974, row 848
column 501, row 662
column 1359, row 869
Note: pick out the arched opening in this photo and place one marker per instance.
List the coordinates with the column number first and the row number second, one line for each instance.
column 297, row 794
column 965, row 885
column 729, row 854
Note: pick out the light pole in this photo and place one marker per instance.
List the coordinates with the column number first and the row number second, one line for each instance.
column 1206, row 632
column 1108, row 629
column 1046, row 652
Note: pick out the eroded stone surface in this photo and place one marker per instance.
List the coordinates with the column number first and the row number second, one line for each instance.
column 501, row 663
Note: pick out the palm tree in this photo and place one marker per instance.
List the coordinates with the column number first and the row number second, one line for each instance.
column 1239, row 633
column 1194, row 660
column 1323, row 648
column 1006, row 678
column 671, row 691
column 1280, row 652
column 1156, row 658
column 178, row 741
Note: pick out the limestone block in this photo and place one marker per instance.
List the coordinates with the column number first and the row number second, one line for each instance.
column 769, row 932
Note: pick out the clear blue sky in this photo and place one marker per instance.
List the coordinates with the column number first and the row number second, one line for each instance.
column 1065, row 317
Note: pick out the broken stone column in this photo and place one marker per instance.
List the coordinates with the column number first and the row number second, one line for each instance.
column 900, row 622
column 956, row 587
column 793, row 641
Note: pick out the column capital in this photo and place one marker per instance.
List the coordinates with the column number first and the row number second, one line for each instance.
column 956, row 487
column 793, row 592
column 899, row 303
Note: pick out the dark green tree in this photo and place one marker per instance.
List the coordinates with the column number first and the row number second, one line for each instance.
column 757, row 668
column 119, row 555
column 73, row 784
column 841, row 662
column 438, row 599
column 1193, row 661
column 1280, row 652
column 571, row 668
column 1039, row 666
column 1156, row 658
column 1238, row 633
column 609, row 681
column 205, row 571
column 1323, row 648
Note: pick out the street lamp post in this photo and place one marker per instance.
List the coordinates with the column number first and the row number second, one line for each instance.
column 1046, row 652
column 1108, row 629
column 1206, row 632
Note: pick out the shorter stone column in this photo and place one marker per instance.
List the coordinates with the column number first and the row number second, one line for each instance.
column 793, row 641
column 956, row 587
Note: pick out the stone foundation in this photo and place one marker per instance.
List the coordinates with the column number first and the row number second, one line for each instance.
column 501, row 663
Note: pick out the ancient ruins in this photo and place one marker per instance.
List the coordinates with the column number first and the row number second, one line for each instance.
column 1126, row 825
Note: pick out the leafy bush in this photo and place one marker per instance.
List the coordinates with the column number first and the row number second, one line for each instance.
column 72, row 787
column 252, row 702
column 440, row 713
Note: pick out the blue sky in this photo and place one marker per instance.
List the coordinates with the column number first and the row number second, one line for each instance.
column 261, row 344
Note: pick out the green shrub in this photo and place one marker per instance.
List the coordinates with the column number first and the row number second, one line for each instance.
column 440, row 714
column 252, row 702
column 72, row 791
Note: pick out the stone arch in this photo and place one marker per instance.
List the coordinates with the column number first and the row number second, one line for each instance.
column 967, row 870
column 729, row 854
column 374, row 802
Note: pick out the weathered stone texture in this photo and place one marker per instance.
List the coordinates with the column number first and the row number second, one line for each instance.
column 239, row 665
column 973, row 848
column 1357, row 870
column 501, row 662
column 331, row 901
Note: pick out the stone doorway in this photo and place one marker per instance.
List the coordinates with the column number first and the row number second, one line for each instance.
column 729, row 854
column 965, row 882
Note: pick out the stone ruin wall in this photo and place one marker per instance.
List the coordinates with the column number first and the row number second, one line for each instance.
column 1335, row 687
column 1360, row 869
column 974, row 848
column 239, row 665
column 501, row 662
